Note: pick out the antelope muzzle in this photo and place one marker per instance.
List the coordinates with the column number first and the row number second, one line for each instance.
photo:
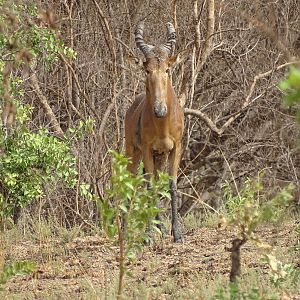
column 160, row 109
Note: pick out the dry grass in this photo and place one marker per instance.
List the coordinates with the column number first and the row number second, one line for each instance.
column 85, row 267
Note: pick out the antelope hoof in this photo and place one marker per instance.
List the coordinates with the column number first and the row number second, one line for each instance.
column 178, row 239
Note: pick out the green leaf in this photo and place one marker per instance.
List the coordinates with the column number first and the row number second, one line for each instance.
column 123, row 208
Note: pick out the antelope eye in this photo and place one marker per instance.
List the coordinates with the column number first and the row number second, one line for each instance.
column 167, row 71
column 147, row 72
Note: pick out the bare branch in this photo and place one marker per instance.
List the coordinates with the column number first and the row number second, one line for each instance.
column 204, row 117
column 82, row 92
column 246, row 103
column 209, row 36
column 44, row 102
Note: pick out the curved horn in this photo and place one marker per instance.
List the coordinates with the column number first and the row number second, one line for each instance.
column 168, row 46
column 139, row 40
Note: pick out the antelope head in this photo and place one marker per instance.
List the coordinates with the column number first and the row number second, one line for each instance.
column 158, row 60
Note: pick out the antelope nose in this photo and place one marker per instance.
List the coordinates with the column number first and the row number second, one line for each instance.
column 160, row 109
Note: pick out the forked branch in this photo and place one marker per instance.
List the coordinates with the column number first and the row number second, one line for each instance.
column 248, row 100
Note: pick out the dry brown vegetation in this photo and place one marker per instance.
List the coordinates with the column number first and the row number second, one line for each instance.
column 232, row 56
column 74, row 266
column 236, row 125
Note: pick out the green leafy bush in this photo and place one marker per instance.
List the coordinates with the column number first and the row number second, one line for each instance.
column 23, row 27
column 131, row 201
column 291, row 87
column 28, row 160
column 129, row 210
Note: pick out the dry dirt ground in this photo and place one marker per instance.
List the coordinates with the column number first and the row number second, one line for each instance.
column 86, row 267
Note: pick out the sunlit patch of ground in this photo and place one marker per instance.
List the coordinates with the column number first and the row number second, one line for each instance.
column 87, row 267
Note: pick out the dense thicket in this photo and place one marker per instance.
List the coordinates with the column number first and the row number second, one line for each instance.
column 243, row 127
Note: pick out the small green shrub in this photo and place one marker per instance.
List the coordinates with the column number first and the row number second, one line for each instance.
column 29, row 160
column 291, row 87
column 129, row 210
column 235, row 203
column 233, row 292
column 244, row 214
column 17, row 268
column 23, row 26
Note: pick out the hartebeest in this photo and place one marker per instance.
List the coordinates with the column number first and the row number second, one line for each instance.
column 154, row 123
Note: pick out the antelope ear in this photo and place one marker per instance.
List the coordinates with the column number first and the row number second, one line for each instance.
column 180, row 57
column 135, row 61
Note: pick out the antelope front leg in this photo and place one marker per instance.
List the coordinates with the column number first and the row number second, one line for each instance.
column 148, row 162
column 173, row 169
